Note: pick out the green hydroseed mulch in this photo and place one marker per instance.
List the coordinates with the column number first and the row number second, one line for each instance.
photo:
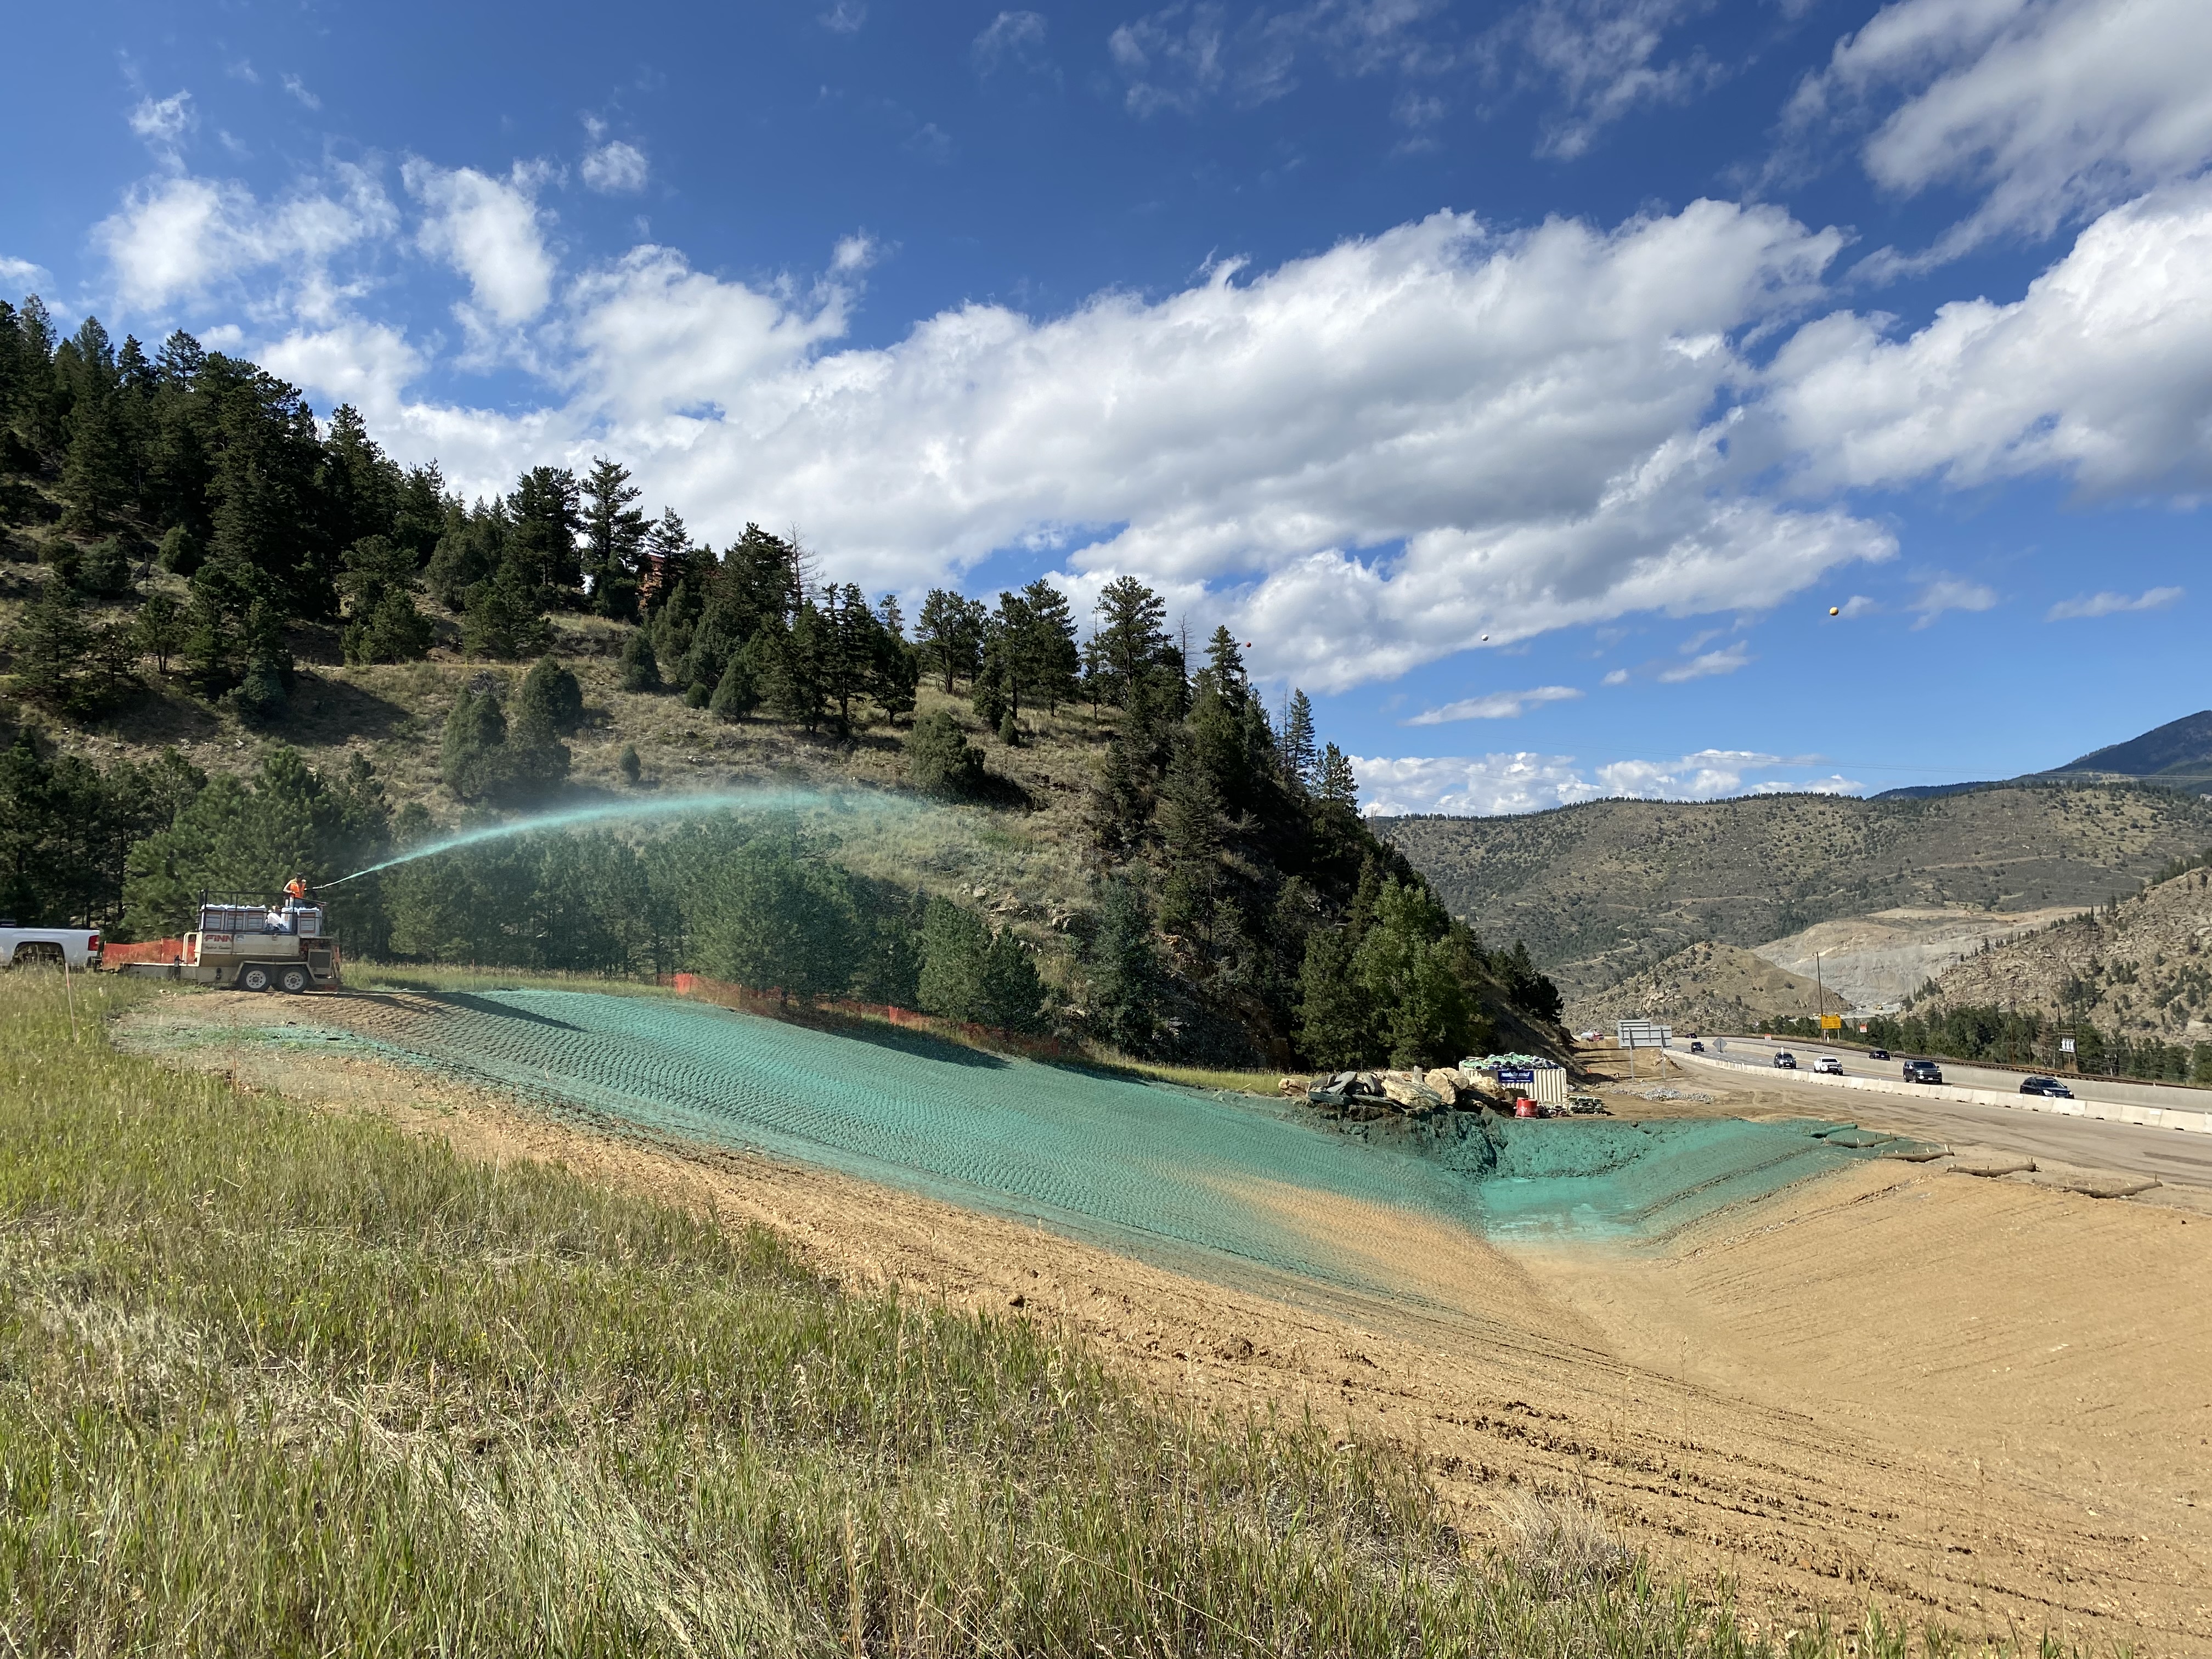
column 1153, row 1169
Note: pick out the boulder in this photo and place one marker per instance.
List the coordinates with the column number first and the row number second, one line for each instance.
column 1406, row 1089
column 1293, row 1087
column 1449, row 1082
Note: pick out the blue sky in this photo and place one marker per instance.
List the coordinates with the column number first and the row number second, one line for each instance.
column 1630, row 334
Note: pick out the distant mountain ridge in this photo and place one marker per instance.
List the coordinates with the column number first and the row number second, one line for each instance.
column 1604, row 888
column 2178, row 754
column 2180, row 750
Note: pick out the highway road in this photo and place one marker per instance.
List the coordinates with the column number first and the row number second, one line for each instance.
column 1968, row 1076
column 2175, row 1157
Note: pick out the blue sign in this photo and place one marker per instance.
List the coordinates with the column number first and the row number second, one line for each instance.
column 1516, row 1076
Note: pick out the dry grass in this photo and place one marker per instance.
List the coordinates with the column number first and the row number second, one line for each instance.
column 275, row 1380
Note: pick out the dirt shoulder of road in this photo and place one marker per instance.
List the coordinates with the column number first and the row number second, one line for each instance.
column 1979, row 1402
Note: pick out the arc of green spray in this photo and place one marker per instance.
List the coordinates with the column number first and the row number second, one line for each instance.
column 761, row 800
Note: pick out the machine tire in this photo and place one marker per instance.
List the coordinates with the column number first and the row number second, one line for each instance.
column 293, row 980
column 255, row 976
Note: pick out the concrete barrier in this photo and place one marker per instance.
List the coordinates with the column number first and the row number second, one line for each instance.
column 2150, row 1117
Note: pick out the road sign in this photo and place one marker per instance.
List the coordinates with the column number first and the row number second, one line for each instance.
column 2066, row 1045
column 1643, row 1034
column 1832, row 1021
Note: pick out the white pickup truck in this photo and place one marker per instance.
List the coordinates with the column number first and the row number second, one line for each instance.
column 48, row 947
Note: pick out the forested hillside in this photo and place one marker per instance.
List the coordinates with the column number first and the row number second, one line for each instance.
column 1603, row 889
column 241, row 641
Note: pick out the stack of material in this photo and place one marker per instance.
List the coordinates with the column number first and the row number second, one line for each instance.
column 1361, row 1095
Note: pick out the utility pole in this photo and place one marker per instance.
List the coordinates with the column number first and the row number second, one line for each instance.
column 1820, row 993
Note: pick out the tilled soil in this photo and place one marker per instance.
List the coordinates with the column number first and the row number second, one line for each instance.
column 1976, row 1401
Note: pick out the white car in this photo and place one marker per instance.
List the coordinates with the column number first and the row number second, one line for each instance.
column 1829, row 1065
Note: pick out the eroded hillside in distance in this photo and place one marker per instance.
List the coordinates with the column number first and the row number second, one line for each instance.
column 1602, row 889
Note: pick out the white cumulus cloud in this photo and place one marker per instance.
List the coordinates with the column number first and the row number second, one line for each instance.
column 490, row 231
column 2112, row 604
column 615, row 169
column 2102, row 372
column 2048, row 109
column 1486, row 785
column 177, row 236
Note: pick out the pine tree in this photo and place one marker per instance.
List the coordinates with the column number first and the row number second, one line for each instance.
column 96, row 478
column 1131, row 640
column 950, row 635
column 640, row 669
column 48, row 644
column 1123, row 972
column 1334, row 1028
column 1300, row 764
column 160, row 628
column 470, row 753
column 549, row 698
column 737, row 692
column 939, row 759
column 1337, row 786
column 542, row 519
column 614, row 540
column 1049, row 659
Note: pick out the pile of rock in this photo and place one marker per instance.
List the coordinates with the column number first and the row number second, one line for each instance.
column 1361, row 1095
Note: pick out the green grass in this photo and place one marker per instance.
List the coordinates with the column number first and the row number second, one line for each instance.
column 279, row 1381
column 361, row 975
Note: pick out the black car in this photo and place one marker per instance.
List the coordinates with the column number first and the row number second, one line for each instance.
column 2048, row 1086
column 1877, row 1054
column 1696, row 1047
column 1922, row 1071
column 1786, row 1060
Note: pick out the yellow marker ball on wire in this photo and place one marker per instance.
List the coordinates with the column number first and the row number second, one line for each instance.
column 1835, row 610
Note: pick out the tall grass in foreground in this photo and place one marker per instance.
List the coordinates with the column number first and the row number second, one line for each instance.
column 279, row 1381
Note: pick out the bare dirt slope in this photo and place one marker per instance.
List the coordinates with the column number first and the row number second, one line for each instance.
column 1973, row 1401
column 1876, row 961
column 1704, row 987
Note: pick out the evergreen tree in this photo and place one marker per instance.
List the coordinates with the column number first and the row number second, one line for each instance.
column 501, row 620
column 543, row 519
column 471, row 752
column 1337, row 786
column 630, row 765
column 939, row 759
column 640, row 669
column 737, row 692
column 181, row 553
column 1131, row 640
column 1335, row 1024
column 1013, row 995
column 950, row 635
column 954, row 983
column 1123, row 972
column 1300, row 763
column 471, row 549
column 614, row 540
column 96, row 478
column 550, row 699
column 48, row 644
column 1191, row 808
column 790, row 661
column 1048, row 658
column 160, row 628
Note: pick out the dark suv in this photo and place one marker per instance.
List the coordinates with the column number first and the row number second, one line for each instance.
column 2050, row 1086
column 1786, row 1060
column 1922, row 1071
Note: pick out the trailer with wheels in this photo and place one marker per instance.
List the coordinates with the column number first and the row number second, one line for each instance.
column 253, row 947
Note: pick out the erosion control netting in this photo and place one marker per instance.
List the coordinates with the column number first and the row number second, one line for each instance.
column 1158, row 1171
